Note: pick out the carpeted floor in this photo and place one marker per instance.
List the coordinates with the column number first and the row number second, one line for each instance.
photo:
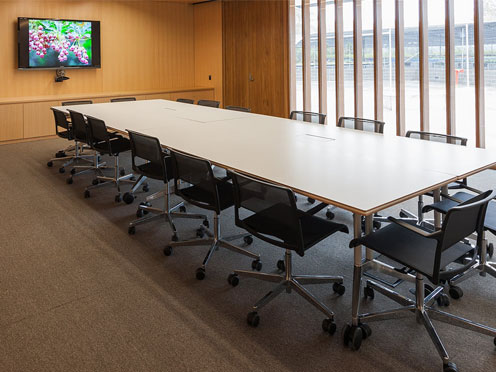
column 77, row 293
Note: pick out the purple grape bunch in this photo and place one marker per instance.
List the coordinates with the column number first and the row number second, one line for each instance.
column 40, row 41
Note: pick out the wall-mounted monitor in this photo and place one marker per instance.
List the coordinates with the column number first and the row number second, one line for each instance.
column 55, row 43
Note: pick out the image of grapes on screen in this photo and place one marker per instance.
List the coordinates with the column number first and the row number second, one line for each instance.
column 59, row 43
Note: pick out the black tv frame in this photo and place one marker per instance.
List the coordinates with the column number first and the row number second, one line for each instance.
column 23, row 39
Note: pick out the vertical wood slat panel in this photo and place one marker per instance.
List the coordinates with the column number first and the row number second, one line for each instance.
column 322, row 56
column 292, row 55
column 450, row 66
column 339, row 54
column 357, row 57
column 307, row 73
column 378, row 72
column 480, row 126
column 424, row 65
column 400, row 67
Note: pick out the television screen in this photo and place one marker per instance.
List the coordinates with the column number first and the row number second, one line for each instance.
column 54, row 43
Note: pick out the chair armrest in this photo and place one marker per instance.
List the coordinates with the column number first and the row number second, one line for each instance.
column 416, row 230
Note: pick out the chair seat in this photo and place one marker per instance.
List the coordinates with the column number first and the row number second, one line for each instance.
column 198, row 194
column 411, row 249
column 445, row 205
column 271, row 222
column 65, row 134
column 155, row 171
column 117, row 145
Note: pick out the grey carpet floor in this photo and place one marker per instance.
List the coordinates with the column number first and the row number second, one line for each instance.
column 77, row 293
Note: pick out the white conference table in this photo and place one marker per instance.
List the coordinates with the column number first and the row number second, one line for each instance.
column 358, row 171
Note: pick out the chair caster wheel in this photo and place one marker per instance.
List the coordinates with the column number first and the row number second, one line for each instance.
column 140, row 213
column 60, row 154
column 403, row 214
column 122, row 172
column 310, row 200
column 256, row 265
column 182, row 209
column 248, row 240
column 368, row 292
column 174, row 238
column 377, row 225
column 200, row 233
column 69, row 181
column 450, row 367
column 330, row 215
column 494, row 341
column 338, row 288
column 366, row 330
column 86, row 194
column 281, row 266
column 168, row 251
column 131, row 230
column 146, row 188
column 233, row 279
column 253, row 319
column 455, row 292
column 352, row 336
column 490, row 250
column 50, row 164
column 206, row 223
column 95, row 182
column 73, row 171
column 200, row 273
column 128, row 198
column 443, row 300
column 62, row 170
column 329, row 326
column 118, row 198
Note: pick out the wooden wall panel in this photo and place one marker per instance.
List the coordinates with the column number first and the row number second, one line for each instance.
column 146, row 45
column 11, row 117
column 38, row 119
column 208, row 46
column 256, row 55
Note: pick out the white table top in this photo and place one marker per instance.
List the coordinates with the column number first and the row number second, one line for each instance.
column 358, row 171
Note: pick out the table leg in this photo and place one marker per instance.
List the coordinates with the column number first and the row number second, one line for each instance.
column 437, row 215
column 357, row 270
column 369, row 220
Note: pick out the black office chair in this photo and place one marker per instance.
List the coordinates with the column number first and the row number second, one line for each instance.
column 201, row 188
column 80, row 134
column 74, row 103
column 209, row 103
column 125, row 99
column 185, row 100
column 64, row 130
column 429, row 254
column 102, row 141
column 310, row 117
column 269, row 212
column 482, row 265
column 436, row 137
column 367, row 125
column 238, row 108
column 150, row 161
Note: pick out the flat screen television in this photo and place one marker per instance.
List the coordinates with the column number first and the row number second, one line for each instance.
column 55, row 43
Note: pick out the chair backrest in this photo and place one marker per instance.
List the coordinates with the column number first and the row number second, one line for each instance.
column 97, row 132
column 199, row 175
column 310, row 117
column 269, row 212
column 460, row 222
column 185, row 100
column 149, row 149
column 60, row 120
column 367, row 125
column 124, row 99
column 238, row 108
column 74, row 103
column 79, row 126
column 437, row 137
column 209, row 103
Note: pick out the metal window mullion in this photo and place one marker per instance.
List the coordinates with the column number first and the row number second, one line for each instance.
column 307, row 72
column 480, row 127
column 424, row 65
column 322, row 56
column 339, row 55
column 400, row 67
column 357, row 57
column 378, row 72
column 450, row 66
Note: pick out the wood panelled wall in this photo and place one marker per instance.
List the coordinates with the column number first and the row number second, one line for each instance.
column 146, row 45
column 208, row 46
column 256, row 56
